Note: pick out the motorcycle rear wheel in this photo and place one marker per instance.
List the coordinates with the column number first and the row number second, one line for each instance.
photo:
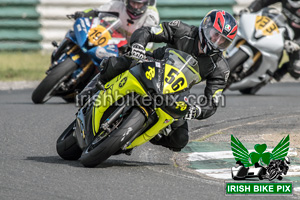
column 66, row 145
column 56, row 76
column 95, row 154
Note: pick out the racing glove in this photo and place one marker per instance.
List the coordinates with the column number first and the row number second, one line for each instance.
column 291, row 46
column 78, row 14
column 194, row 112
column 244, row 11
column 138, row 51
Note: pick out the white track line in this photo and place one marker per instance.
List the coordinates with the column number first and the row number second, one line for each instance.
column 198, row 156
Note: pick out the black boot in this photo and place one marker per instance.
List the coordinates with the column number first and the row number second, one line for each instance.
column 162, row 140
column 279, row 73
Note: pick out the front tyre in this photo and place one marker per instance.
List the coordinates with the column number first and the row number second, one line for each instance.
column 56, row 76
column 95, row 153
column 234, row 61
column 237, row 59
column 66, row 145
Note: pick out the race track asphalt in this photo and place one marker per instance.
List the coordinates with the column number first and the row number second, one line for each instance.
column 31, row 168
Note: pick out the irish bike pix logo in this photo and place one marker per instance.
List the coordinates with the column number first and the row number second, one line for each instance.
column 260, row 164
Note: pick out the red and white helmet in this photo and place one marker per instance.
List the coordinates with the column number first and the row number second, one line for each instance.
column 216, row 31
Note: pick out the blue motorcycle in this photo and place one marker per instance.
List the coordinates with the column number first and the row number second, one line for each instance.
column 75, row 60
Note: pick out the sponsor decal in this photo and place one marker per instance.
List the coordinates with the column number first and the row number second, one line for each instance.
column 227, row 27
column 226, row 75
column 125, row 134
column 181, row 105
column 122, row 82
column 151, row 73
column 157, row 64
column 167, row 121
column 186, row 99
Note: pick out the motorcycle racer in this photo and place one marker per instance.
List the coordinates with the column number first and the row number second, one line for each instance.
column 132, row 13
column 291, row 9
column 205, row 43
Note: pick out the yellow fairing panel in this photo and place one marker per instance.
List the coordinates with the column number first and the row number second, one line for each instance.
column 115, row 89
column 163, row 121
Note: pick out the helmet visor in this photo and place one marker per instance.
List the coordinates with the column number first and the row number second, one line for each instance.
column 216, row 39
column 137, row 7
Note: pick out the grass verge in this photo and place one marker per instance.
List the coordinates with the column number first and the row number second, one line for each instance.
column 29, row 66
column 17, row 66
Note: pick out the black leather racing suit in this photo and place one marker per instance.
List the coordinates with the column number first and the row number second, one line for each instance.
column 293, row 18
column 185, row 38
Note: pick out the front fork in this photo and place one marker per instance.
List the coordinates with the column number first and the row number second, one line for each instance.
column 66, row 49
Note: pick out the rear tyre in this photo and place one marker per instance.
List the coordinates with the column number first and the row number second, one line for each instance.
column 66, row 145
column 96, row 153
column 56, row 76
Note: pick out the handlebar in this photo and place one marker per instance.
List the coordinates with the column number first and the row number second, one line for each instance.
column 72, row 16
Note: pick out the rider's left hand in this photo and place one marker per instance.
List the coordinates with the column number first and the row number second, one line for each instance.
column 78, row 14
column 138, row 51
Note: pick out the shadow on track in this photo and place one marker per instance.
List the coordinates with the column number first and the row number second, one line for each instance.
column 106, row 164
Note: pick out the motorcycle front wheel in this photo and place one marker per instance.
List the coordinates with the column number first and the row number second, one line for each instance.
column 237, row 59
column 98, row 152
column 66, row 145
column 55, row 77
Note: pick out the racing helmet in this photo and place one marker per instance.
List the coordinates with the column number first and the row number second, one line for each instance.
column 134, row 10
column 216, row 31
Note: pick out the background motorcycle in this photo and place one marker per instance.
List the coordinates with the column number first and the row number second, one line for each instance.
column 74, row 61
column 257, row 50
column 126, row 114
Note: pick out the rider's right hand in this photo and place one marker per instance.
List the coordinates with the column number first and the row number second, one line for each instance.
column 291, row 46
column 194, row 112
column 138, row 51
column 78, row 14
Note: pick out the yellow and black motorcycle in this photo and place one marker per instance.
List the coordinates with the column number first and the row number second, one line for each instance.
column 134, row 107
